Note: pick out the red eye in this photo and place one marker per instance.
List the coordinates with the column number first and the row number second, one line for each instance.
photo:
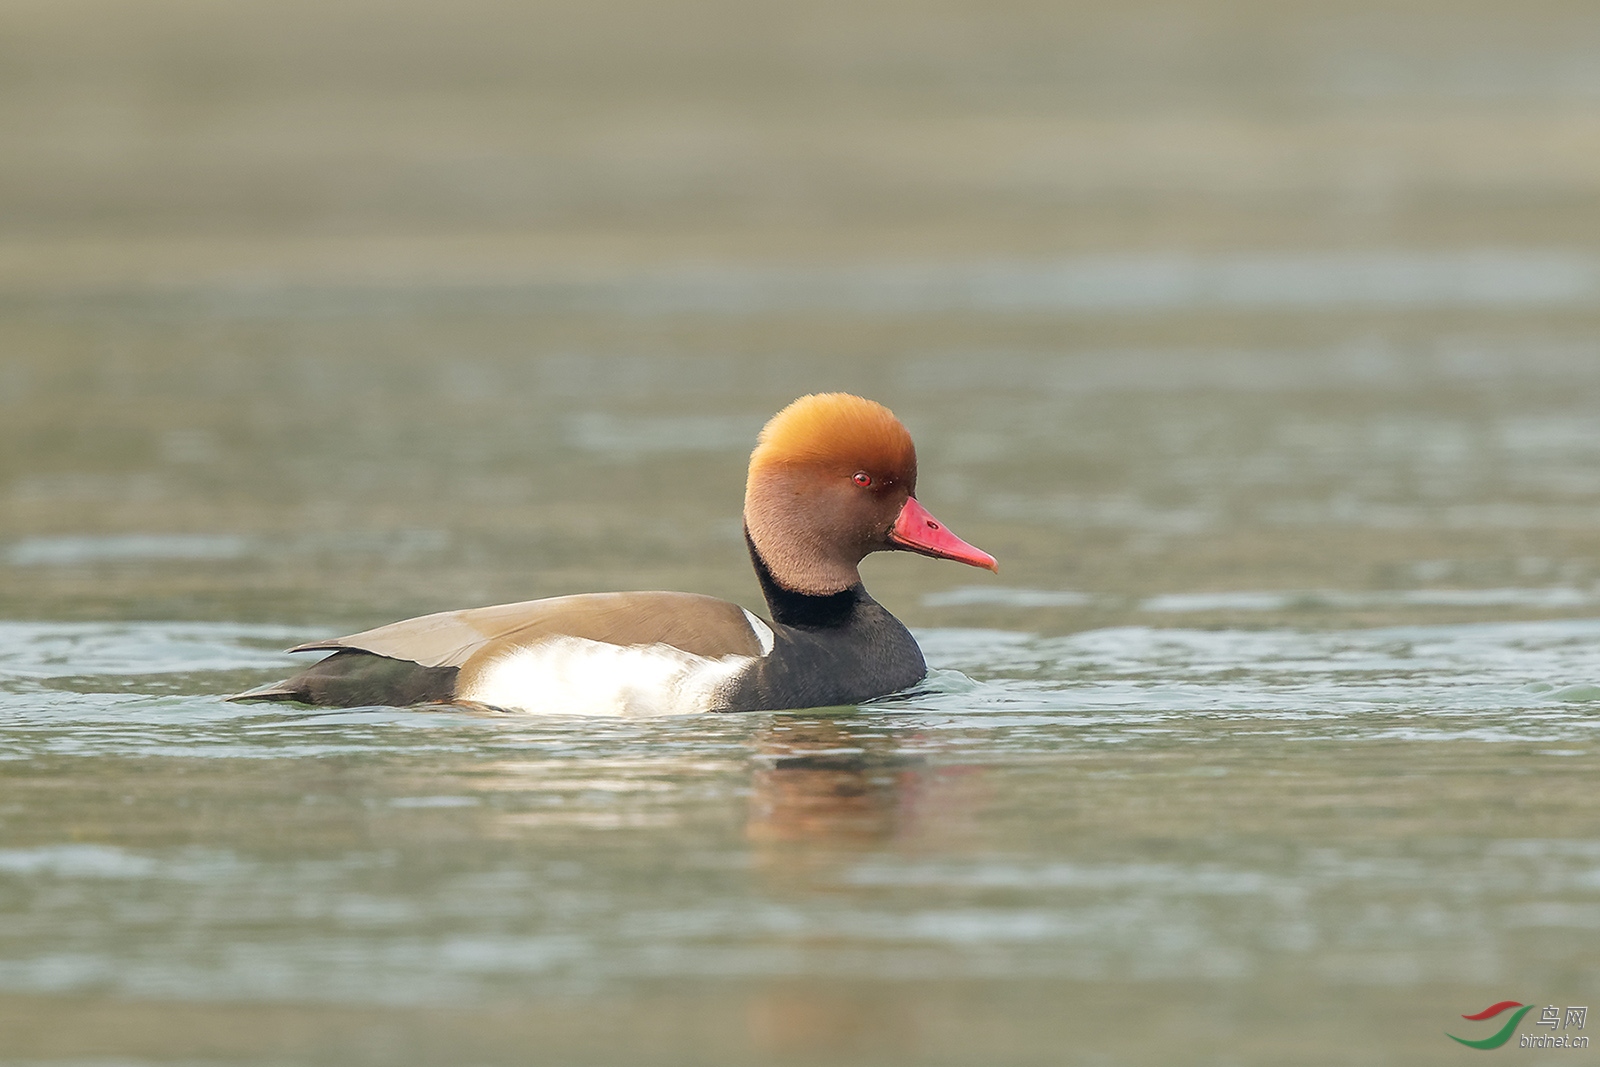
column 862, row 478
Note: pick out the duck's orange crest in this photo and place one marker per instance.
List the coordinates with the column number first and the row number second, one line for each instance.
column 837, row 430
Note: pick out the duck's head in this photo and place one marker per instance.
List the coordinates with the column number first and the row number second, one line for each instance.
column 833, row 478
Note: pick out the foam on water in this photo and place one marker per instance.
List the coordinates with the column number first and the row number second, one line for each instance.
column 107, row 686
column 42, row 650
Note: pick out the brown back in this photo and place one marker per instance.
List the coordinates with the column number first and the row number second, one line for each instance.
column 700, row 625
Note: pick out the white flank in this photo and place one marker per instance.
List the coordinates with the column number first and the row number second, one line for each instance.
column 573, row 676
column 763, row 632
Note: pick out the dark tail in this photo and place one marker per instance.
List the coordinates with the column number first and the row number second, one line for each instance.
column 352, row 678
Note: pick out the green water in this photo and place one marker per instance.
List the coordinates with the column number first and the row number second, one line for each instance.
column 1259, row 342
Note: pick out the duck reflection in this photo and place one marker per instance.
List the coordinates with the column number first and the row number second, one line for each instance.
column 834, row 781
column 823, row 792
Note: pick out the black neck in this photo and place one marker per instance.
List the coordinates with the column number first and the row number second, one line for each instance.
column 791, row 608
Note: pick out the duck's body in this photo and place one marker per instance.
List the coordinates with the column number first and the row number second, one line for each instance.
column 701, row 654
column 830, row 482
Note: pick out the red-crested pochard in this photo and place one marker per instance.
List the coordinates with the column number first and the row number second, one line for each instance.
column 833, row 477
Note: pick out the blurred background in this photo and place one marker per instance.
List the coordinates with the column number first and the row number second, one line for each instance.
column 326, row 313
column 1259, row 339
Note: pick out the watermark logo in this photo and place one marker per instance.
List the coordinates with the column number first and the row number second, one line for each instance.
column 1551, row 1016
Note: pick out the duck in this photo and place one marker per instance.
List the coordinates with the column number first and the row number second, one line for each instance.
column 832, row 479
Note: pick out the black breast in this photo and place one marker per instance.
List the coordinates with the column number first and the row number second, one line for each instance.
column 865, row 654
column 840, row 648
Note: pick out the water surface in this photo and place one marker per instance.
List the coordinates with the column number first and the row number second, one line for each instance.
column 1259, row 341
column 1255, row 836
